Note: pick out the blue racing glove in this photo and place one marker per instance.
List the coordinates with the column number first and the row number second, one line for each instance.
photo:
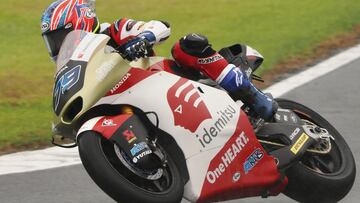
column 139, row 47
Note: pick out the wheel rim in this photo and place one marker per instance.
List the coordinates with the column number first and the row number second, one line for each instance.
column 147, row 174
column 159, row 186
column 325, row 164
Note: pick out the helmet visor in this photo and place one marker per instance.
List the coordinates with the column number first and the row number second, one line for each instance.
column 54, row 39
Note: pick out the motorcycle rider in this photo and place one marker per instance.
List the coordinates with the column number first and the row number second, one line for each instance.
column 134, row 39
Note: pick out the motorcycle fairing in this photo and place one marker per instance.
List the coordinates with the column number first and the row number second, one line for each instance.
column 241, row 169
column 89, row 51
column 151, row 94
column 204, row 144
column 68, row 82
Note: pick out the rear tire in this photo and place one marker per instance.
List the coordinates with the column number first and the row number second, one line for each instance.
column 320, row 178
column 104, row 167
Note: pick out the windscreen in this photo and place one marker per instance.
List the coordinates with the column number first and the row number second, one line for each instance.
column 69, row 46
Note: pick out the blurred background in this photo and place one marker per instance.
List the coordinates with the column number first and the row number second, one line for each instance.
column 279, row 30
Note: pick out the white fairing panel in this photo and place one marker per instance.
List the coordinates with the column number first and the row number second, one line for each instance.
column 83, row 51
column 200, row 118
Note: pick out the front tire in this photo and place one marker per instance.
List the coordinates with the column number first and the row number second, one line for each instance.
column 320, row 178
column 104, row 167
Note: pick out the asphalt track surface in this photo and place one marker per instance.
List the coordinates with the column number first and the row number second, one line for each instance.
column 335, row 96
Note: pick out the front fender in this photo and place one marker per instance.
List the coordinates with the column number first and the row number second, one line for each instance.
column 88, row 125
column 107, row 126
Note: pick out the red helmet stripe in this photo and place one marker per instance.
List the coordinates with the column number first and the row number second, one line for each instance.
column 72, row 11
column 57, row 14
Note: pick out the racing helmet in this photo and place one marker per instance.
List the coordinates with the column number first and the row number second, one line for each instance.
column 64, row 16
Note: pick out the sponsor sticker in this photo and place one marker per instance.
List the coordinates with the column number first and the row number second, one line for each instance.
column 236, row 177
column 129, row 136
column 108, row 122
column 239, row 77
column 187, row 105
column 210, row 59
column 103, row 71
column 45, row 27
column 286, row 118
column 277, row 117
column 299, row 143
column 293, row 118
column 141, row 155
column 69, row 25
column 130, row 25
column 293, row 134
column 228, row 157
column 121, row 82
column 138, row 148
column 252, row 160
column 224, row 118
column 90, row 13
column 248, row 72
column 197, row 36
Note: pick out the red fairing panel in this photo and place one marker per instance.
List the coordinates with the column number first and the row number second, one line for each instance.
column 241, row 168
column 108, row 125
column 164, row 65
column 136, row 75
column 186, row 104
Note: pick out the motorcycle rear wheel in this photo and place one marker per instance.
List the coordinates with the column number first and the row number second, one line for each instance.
column 320, row 178
column 104, row 167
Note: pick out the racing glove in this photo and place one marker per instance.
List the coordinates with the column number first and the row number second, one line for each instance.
column 139, row 47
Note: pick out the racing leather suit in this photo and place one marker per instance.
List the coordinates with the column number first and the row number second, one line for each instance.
column 191, row 52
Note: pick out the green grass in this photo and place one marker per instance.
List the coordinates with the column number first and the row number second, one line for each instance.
column 278, row 29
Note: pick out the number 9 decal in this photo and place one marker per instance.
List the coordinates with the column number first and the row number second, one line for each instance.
column 65, row 83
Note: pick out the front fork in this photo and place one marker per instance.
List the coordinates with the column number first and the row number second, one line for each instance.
column 132, row 140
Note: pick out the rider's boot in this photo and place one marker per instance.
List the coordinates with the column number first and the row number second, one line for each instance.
column 241, row 88
column 193, row 51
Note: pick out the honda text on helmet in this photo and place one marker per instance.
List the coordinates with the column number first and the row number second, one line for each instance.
column 64, row 16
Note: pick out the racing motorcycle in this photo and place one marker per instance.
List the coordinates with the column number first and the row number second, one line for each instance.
column 147, row 135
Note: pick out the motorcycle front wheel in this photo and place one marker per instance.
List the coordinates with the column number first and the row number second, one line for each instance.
column 320, row 178
column 102, row 163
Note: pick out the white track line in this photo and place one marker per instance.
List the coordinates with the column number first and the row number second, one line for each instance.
column 55, row 157
column 314, row 72
column 52, row 157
